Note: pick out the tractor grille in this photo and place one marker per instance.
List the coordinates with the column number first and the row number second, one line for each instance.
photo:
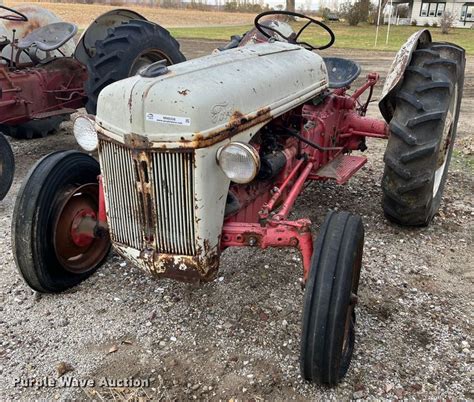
column 169, row 216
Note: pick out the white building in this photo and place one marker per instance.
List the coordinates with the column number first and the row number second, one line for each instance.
column 430, row 12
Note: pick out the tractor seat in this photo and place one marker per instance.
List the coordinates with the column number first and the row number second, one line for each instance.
column 341, row 72
column 50, row 37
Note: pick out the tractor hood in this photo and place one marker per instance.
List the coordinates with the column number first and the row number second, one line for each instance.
column 201, row 102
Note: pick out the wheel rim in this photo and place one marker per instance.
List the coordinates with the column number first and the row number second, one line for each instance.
column 146, row 58
column 78, row 254
column 446, row 143
column 350, row 315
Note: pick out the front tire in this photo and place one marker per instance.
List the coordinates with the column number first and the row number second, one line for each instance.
column 7, row 166
column 422, row 134
column 124, row 52
column 328, row 333
column 58, row 189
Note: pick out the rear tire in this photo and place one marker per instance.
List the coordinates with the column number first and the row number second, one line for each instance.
column 35, row 128
column 44, row 253
column 7, row 166
column 422, row 134
column 126, row 49
column 328, row 333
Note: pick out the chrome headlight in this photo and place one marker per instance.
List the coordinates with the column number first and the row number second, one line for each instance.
column 85, row 133
column 240, row 162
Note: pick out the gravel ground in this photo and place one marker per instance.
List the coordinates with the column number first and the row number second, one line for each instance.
column 238, row 337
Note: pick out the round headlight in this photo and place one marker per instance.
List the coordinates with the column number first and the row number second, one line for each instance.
column 85, row 133
column 240, row 162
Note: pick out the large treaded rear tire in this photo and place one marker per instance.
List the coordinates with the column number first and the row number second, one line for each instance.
column 422, row 133
column 7, row 166
column 117, row 54
column 328, row 330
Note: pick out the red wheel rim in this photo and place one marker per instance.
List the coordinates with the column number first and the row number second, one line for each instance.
column 78, row 255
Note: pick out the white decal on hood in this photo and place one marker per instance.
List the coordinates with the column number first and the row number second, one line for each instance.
column 162, row 118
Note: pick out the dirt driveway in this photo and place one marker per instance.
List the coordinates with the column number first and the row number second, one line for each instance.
column 238, row 337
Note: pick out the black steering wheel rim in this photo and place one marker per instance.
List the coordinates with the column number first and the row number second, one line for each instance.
column 19, row 16
column 294, row 38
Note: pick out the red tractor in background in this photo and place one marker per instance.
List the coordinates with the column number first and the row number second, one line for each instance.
column 44, row 76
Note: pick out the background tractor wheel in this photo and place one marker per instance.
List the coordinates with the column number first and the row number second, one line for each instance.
column 328, row 334
column 126, row 50
column 35, row 128
column 422, row 133
column 7, row 166
column 58, row 190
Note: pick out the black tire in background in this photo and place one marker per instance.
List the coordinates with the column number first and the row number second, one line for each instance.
column 39, row 205
column 124, row 52
column 36, row 128
column 328, row 330
column 7, row 166
column 422, row 134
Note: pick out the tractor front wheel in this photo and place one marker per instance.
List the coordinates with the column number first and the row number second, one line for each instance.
column 127, row 49
column 422, row 134
column 50, row 252
column 7, row 166
column 328, row 333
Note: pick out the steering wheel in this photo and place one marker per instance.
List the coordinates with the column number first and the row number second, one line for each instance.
column 293, row 37
column 18, row 17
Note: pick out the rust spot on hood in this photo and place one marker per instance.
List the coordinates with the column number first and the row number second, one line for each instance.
column 237, row 123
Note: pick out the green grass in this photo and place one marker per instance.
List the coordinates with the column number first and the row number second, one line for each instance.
column 464, row 162
column 347, row 37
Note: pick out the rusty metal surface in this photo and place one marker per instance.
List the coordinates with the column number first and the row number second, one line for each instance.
column 185, row 268
column 397, row 71
column 151, row 205
column 76, row 251
column 53, row 89
column 237, row 123
column 160, row 191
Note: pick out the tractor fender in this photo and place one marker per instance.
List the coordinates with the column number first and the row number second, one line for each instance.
column 397, row 71
column 98, row 31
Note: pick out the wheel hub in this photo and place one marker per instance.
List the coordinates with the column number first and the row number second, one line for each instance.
column 82, row 228
column 146, row 58
column 75, row 244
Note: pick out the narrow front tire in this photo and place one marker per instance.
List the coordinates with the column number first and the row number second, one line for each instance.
column 328, row 330
column 59, row 190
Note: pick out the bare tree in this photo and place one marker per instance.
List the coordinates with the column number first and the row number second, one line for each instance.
column 364, row 10
column 351, row 12
column 446, row 22
column 290, row 5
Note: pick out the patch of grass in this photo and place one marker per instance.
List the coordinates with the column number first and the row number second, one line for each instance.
column 347, row 37
column 211, row 33
column 464, row 162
